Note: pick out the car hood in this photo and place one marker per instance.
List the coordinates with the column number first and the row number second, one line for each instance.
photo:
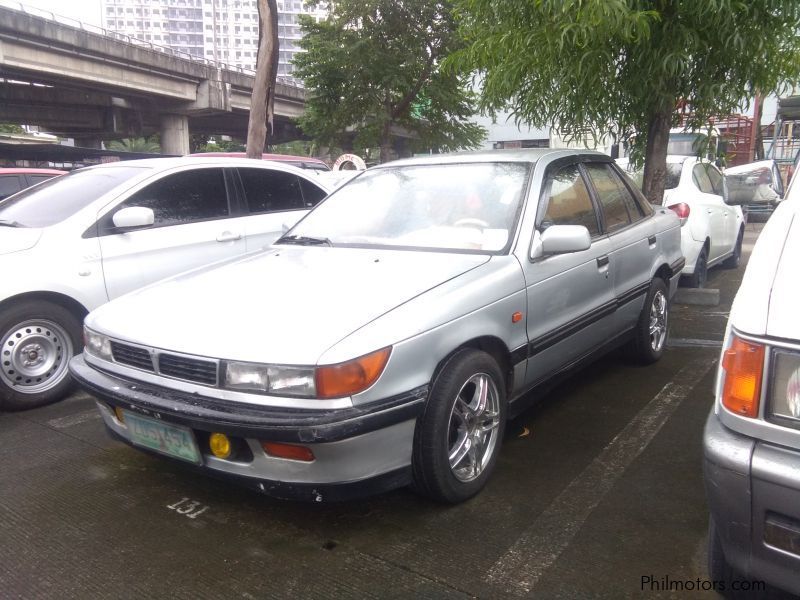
column 17, row 239
column 766, row 303
column 287, row 305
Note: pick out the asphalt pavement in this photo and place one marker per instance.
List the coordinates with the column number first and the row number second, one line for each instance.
column 598, row 493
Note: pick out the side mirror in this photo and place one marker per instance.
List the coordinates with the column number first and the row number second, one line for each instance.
column 133, row 217
column 561, row 239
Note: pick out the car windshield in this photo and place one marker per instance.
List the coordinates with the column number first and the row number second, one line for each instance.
column 461, row 207
column 61, row 197
column 673, row 175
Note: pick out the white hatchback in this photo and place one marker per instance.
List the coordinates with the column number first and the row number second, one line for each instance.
column 712, row 230
column 73, row 243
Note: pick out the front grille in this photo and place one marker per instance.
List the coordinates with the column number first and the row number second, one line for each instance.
column 132, row 356
column 189, row 369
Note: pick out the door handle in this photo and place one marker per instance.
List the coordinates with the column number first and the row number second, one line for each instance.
column 228, row 236
column 602, row 262
column 651, row 240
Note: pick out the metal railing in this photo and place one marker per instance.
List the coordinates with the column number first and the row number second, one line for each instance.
column 126, row 39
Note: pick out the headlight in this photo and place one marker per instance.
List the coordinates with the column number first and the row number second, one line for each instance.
column 269, row 379
column 327, row 381
column 96, row 344
column 785, row 401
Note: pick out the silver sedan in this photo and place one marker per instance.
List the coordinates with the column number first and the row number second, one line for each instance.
column 388, row 336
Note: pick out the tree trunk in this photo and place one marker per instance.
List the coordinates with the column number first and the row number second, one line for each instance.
column 655, row 158
column 758, row 150
column 386, row 142
column 262, row 101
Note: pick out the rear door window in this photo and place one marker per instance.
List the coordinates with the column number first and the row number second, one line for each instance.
column 613, row 197
column 268, row 191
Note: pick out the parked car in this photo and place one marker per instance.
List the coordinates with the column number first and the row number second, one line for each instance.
column 13, row 179
column 752, row 435
column 302, row 162
column 712, row 231
column 387, row 337
column 70, row 244
column 757, row 187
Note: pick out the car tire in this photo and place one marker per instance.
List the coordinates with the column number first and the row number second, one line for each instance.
column 700, row 276
column 732, row 262
column 37, row 340
column 718, row 567
column 457, row 438
column 650, row 335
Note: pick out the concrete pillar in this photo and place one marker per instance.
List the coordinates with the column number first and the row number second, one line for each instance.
column 175, row 134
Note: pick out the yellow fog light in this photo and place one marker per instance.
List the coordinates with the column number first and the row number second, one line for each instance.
column 220, row 445
column 119, row 414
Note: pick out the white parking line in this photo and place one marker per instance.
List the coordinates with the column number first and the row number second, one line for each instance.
column 540, row 545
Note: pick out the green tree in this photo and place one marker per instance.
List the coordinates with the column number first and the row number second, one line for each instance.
column 375, row 64
column 139, row 144
column 11, row 128
column 622, row 66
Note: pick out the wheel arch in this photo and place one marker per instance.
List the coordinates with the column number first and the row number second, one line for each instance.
column 494, row 347
column 66, row 302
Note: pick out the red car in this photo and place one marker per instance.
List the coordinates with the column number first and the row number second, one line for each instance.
column 15, row 179
column 303, row 162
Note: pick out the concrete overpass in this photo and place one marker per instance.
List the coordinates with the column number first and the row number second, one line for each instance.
column 87, row 83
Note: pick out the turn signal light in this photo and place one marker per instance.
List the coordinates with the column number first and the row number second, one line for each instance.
column 351, row 377
column 290, row 451
column 681, row 209
column 744, row 366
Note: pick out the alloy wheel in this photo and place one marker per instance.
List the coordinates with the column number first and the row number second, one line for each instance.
column 473, row 429
column 658, row 321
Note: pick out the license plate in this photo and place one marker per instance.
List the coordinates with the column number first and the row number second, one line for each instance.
column 172, row 440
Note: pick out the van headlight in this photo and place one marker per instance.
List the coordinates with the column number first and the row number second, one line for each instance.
column 96, row 344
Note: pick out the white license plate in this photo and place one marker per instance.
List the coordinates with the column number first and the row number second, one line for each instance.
column 172, row 440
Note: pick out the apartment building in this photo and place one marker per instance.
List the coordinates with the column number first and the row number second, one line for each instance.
column 222, row 30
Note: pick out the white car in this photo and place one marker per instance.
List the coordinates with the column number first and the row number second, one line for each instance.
column 75, row 242
column 712, row 230
column 752, row 436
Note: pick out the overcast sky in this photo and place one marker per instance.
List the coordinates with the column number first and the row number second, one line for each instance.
column 86, row 11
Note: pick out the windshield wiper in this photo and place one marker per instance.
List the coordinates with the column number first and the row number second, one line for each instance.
column 10, row 223
column 302, row 240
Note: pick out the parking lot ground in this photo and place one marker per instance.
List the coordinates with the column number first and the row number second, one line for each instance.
column 598, row 488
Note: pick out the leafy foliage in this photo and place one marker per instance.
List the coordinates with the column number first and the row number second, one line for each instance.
column 140, row 144
column 375, row 64
column 11, row 128
column 622, row 66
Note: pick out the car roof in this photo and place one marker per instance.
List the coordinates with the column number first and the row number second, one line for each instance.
column 162, row 164
column 265, row 156
column 29, row 171
column 531, row 155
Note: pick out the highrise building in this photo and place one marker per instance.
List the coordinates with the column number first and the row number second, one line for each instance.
column 222, row 30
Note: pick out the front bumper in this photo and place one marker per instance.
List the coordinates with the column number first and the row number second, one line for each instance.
column 357, row 450
column 753, row 491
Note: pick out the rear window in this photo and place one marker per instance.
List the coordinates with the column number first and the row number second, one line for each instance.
column 673, row 175
column 61, row 197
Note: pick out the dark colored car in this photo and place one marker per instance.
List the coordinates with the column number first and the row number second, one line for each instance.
column 15, row 179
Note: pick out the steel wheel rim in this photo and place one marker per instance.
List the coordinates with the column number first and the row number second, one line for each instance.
column 34, row 356
column 473, row 427
column 658, row 321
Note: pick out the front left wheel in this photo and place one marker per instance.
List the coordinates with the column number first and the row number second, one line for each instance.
column 37, row 340
column 458, row 437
